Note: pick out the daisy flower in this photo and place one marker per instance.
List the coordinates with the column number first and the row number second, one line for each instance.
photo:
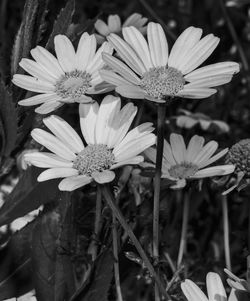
column 215, row 289
column 65, row 79
column 181, row 163
column 189, row 120
column 109, row 144
column 114, row 25
column 149, row 71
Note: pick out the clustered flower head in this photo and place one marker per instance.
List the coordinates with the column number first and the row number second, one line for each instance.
column 146, row 70
column 189, row 120
column 181, row 163
column 109, row 144
column 239, row 155
column 114, row 25
column 69, row 78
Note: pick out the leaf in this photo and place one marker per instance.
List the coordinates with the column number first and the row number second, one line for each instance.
column 62, row 22
column 15, row 263
column 27, row 196
column 50, row 260
column 24, row 37
column 97, row 286
column 8, row 123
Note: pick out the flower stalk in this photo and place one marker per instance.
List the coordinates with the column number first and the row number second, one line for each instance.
column 226, row 232
column 161, row 113
column 116, row 211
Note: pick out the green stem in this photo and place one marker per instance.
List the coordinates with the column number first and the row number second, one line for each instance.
column 183, row 241
column 226, row 232
column 116, row 211
column 116, row 263
column 161, row 113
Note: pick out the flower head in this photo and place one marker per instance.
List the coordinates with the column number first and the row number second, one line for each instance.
column 109, row 144
column 189, row 120
column 149, row 71
column 239, row 155
column 114, row 25
column 215, row 289
column 66, row 79
column 181, row 163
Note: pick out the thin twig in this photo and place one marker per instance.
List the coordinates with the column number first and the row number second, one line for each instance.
column 116, row 263
column 161, row 113
column 183, row 241
column 226, row 232
column 110, row 200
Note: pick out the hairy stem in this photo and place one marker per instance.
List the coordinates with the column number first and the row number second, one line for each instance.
column 161, row 113
column 116, row 211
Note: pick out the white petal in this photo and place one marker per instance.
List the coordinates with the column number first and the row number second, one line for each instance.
column 109, row 107
column 199, row 53
column 135, row 147
column 53, row 144
column 54, row 173
column 131, row 91
column 215, row 288
column 225, row 68
column 97, row 62
column 36, row 70
column 194, row 147
column 103, row 177
column 219, row 170
column 127, row 53
column 114, row 23
column 133, row 135
column 192, row 291
column 120, row 124
column 135, row 20
column 136, row 40
column 85, row 51
column 47, row 61
column 62, row 130
column 178, row 147
column 186, row 122
column 168, row 154
column 130, row 161
column 32, row 84
column 214, row 158
column 208, row 82
column 72, row 183
column 183, row 45
column 46, row 160
column 48, row 107
column 65, row 53
column 113, row 78
column 158, row 44
column 196, row 93
column 88, row 114
column 39, row 99
column 121, row 68
column 207, row 151
column 102, row 27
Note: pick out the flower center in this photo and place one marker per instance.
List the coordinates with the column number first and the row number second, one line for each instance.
column 94, row 157
column 183, row 170
column 162, row 81
column 73, row 84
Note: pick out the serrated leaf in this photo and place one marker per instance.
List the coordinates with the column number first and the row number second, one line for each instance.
column 25, row 35
column 97, row 286
column 27, row 196
column 51, row 263
column 16, row 263
column 8, row 115
column 62, row 22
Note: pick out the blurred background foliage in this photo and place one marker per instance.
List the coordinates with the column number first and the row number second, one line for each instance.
column 40, row 254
